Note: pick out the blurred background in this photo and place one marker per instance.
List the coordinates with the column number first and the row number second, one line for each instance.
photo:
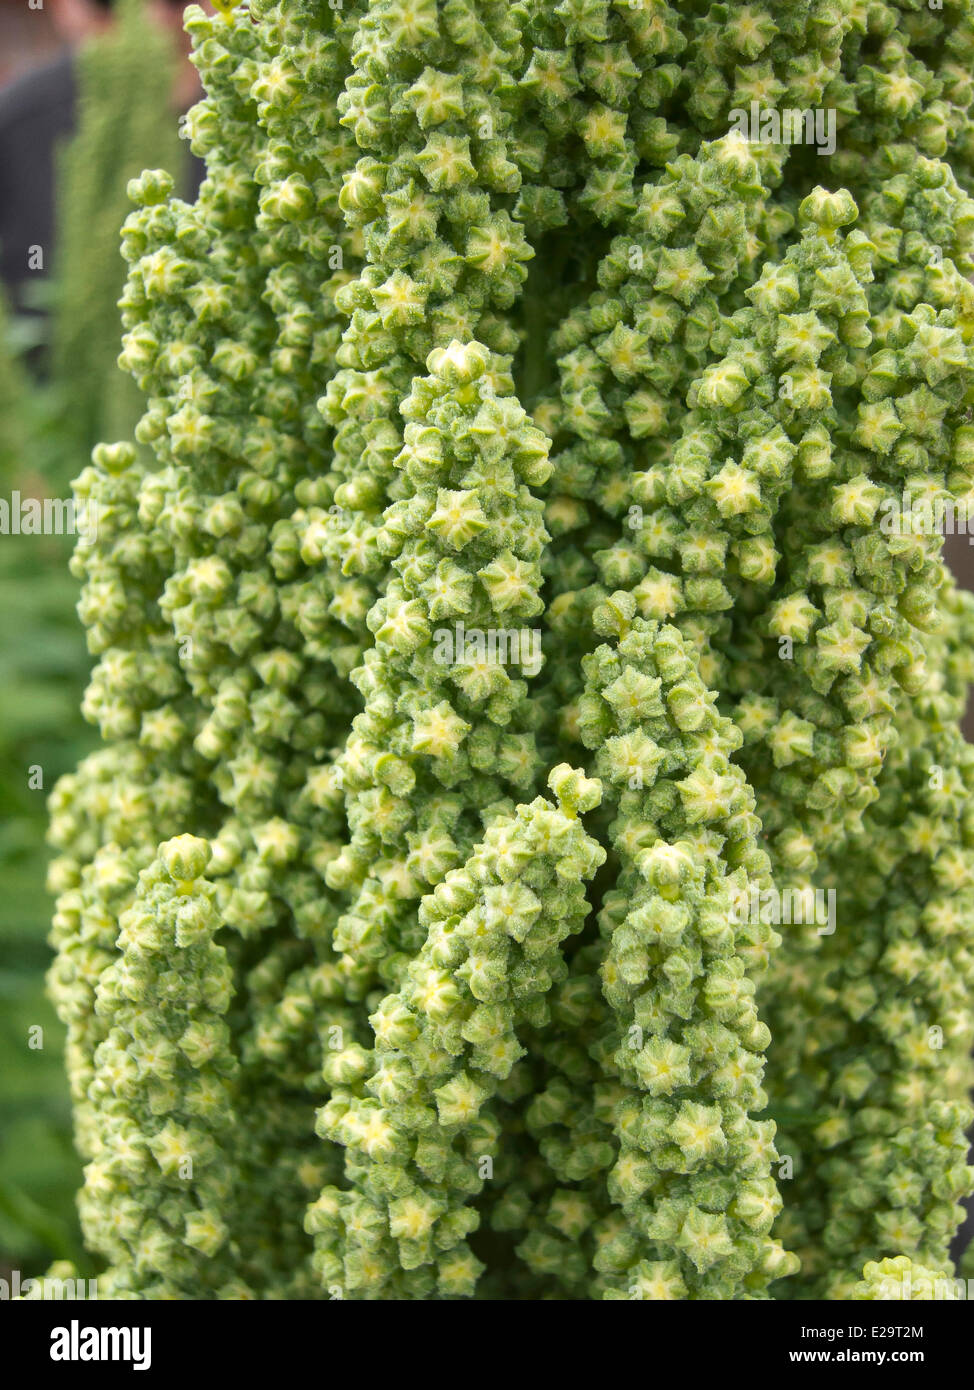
column 90, row 94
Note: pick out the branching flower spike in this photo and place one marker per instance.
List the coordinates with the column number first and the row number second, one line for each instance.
column 529, row 854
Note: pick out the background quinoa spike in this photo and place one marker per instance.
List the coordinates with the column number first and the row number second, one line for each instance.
column 125, row 122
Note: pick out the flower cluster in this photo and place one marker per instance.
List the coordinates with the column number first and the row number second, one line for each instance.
column 485, row 316
column 164, row 1164
column 693, row 1173
column 416, row 1112
column 463, row 541
column 900, row 1278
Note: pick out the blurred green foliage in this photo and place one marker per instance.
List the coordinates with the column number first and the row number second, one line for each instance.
column 42, row 670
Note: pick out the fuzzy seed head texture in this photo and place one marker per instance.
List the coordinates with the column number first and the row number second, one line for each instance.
column 494, row 604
